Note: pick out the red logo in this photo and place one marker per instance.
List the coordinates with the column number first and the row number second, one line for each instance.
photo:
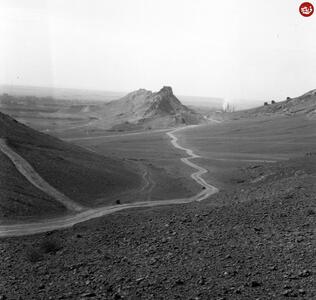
column 306, row 9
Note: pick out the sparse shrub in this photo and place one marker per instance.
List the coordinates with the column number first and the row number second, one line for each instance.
column 265, row 103
column 272, row 102
column 288, row 98
column 33, row 255
column 50, row 246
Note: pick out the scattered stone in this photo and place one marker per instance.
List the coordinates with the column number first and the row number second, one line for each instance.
column 179, row 257
column 202, row 281
column 88, row 294
column 179, row 282
column 255, row 283
column 117, row 296
column 305, row 273
column 289, row 293
column 301, row 291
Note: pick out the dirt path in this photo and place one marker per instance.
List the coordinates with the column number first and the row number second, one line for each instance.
column 34, row 178
column 149, row 184
column 72, row 127
column 209, row 189
column 70, row 220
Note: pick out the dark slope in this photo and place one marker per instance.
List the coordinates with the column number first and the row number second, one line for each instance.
column 19, row 198
column 82, row 175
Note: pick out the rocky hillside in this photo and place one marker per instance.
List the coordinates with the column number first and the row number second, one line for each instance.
column 256, row 242
column 305, row 104
column 145, row 109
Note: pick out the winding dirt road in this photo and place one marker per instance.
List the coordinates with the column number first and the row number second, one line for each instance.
column 83, row 215
column 34, row 178
column 209, row 189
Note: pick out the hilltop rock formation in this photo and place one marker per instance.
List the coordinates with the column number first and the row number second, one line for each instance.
column 143, row 109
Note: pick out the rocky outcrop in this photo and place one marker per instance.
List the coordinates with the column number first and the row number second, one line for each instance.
column 145, row 109
column 164, row 102
column 302, row 105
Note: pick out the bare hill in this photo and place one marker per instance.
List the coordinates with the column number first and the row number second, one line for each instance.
column 86, row 177
column 145, row 109
column 302, row 105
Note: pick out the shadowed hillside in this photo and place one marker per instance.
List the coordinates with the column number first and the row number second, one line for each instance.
column 81, row 175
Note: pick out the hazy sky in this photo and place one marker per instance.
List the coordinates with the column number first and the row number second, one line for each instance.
column 261, row 49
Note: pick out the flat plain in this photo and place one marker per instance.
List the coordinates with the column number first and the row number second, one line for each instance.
column 168, row 177
column 226, row 147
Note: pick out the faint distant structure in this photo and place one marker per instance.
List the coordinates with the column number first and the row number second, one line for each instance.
column 272, row 102
column 227, row 107
column 266, row 104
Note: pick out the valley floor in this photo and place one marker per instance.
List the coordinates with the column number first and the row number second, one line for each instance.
column 154, row 153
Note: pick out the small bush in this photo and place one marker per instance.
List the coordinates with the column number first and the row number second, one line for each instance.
column 50, row 246
column 33, row 255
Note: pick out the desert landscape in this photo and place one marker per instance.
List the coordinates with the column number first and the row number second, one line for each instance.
column 157, row 150
column 220, row 209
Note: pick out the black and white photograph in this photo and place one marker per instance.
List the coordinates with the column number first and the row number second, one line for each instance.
column 157, row 149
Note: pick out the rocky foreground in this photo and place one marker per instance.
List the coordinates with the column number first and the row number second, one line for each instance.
column 254, row 242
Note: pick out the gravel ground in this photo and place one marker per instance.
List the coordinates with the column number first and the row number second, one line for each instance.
column 253, row 242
